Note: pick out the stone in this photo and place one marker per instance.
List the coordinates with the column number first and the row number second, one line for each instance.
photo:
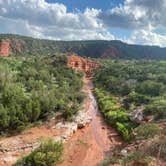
column 80, row 126
column 9, row 159
column 124, row 152
column 59, row 125
column 57, row 138
column 137, row 114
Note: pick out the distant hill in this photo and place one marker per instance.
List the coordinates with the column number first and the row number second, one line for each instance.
column 21, row 45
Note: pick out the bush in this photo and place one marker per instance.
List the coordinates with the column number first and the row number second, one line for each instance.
column 35, row 87
column 157, row 148
column 150, row 88
column 49, row 153
column 136, row 98
column 147, row 131
column 156, row 108
column 124, row 131
column 137, row 157
column 118, row 115
column 107, row 162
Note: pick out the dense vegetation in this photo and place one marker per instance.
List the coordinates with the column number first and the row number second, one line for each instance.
column 21, row 45
column 114, row 114
column 49, row 153
column 137, row 84
column 35, row 87
column 124, row 87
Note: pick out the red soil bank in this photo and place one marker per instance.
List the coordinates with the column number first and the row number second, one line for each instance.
column 4, row 48
column 111, row 53
column 84, row 64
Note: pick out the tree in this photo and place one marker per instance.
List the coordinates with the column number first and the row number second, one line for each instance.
column 150, row 88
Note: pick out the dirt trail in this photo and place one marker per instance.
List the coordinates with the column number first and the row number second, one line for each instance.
column 87, row 147
column 93, row 143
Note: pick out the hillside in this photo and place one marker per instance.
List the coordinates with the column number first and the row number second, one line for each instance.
column 21, row 45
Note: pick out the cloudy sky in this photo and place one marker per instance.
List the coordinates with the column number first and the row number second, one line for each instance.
column 132, row 21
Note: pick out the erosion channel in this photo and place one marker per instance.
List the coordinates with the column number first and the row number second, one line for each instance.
column 93, row 143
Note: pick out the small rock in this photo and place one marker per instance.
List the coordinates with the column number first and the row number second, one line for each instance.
column 71, row 161
column 9, row 159
column 80, row 125
column 124, row 152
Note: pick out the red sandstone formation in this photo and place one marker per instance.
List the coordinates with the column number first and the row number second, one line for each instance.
column 4, row 48
column 111, row 52
column 83, row 64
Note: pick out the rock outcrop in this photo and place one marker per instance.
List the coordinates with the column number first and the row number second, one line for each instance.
column 83, row 64
column 111, row 53
column 4, row 48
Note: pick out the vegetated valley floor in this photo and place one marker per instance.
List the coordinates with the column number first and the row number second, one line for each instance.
column 87, row 147
column 91, row 144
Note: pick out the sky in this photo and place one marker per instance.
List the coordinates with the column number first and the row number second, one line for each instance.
column 131, row 21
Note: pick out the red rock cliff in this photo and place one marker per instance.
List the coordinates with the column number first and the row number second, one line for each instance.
column 83, row 64
column 4, row 48
column 111, row 53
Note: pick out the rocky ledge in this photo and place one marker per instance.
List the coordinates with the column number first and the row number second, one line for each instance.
column 80, row 121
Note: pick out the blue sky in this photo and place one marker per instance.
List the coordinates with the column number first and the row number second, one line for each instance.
column 83, row 4
column 131, row 21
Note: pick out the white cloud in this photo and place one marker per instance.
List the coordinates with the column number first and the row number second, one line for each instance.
column 38, row 18
column 142, row 17
column 147, row 38
column 41, row 13
column 136, row 14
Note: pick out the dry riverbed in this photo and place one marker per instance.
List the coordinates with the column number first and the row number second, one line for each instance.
column 87, row 139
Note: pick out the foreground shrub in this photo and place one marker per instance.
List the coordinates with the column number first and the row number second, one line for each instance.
column 147, row 131
column 114, row 114
column 49, row 153
column 124, row 131
column 157, row 148
column 157, row 109
column 117, row 116
column 35, row 88
column 137, row 158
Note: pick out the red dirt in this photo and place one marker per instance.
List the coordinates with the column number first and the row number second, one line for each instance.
column 112, row 52
column 84, row 64
column 4, row 48
column 30, row 136
column 87, row 147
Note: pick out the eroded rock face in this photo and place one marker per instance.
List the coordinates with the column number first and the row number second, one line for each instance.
column 4, row 48
column 83, row 64
column 111, row 53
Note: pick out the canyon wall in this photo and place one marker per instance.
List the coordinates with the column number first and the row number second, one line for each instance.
column 4, row 48
column 83, row 64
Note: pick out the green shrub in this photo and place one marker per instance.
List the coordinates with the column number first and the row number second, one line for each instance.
column 157, row 108
column 49, row 153
column 150, row 88
column 107, row 162
column 147, row 131
column 118, row 115
column 136, row 98
column 157, row 148
column 33, row 88
column 137, row 157
column 124, row 131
